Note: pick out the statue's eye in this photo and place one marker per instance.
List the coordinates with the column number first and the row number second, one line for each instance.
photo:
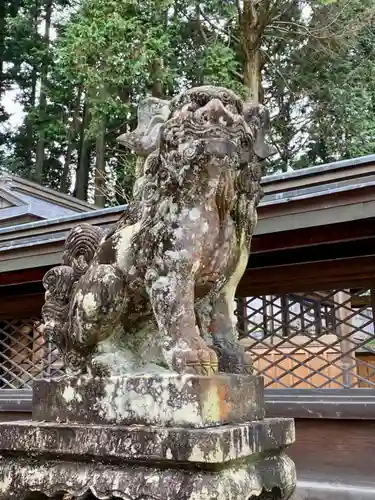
column 193, row 106
column 245, row 142
column 232, row 108
column 202, row 99
column 225, row 97
column 239, row 107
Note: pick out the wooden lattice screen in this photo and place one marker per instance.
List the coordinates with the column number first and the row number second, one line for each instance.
column 315, row 340
column 24, row 353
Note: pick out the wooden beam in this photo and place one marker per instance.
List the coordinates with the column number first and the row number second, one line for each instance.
column 24, row 260
column 355, row 272
column 355, row 168
column 345, row 231
column 314, row 216
column 25, row 276
column 20, row 306
column 313, row 253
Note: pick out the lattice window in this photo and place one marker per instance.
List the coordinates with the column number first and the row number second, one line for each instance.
column 316, row 340
column 24, row 353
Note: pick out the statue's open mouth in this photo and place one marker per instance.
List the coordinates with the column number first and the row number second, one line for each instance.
column 210, row 147
column 221, row 146
column 217, row 138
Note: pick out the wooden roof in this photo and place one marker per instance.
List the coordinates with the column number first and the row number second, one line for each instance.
column 312, row 223
column 23, row 201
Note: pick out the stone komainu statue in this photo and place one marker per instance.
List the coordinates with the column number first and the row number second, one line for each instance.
column 157, row 292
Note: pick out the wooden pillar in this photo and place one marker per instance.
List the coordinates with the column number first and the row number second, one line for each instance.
column 344, row 331
column 242, row 317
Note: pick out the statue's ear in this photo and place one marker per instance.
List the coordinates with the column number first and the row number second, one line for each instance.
column 152, row 114
column 257, row 116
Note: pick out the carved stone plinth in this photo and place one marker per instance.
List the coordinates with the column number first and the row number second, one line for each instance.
column 106, row 481
column 164, row 400
column 191, row 444
column 216, row 445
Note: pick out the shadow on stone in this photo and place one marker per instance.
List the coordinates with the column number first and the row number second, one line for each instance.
column 274, row 494
column 41, row 496
column 93, row 497
column 62, row 496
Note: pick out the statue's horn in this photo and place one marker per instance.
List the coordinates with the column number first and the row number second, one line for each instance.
column 258, row 116
column 144, row 140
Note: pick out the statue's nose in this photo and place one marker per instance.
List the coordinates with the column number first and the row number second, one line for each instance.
column 215, row 112
column 123, row 139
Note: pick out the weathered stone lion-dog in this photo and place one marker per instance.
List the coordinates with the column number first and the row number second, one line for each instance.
column 157, row 292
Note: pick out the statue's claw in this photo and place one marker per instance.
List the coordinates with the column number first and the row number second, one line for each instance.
column 196, row 361
column 233, row 358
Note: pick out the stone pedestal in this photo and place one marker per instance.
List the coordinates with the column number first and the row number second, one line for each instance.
column 162, row 400
column 148, row 438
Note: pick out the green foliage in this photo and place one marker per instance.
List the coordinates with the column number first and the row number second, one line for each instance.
column 317, row 71
column 220, row 67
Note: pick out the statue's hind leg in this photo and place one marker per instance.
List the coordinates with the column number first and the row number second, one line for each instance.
column 98, row 302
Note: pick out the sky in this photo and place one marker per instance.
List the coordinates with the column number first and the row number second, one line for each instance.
column 14, row 108
column 9, row 100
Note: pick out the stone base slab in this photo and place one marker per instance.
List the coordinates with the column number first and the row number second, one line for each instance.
column 167, row 400
column 271, row 478
column 217, row 445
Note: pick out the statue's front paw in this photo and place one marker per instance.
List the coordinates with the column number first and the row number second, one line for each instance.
column 234, row 359
column 75, row 363
column 202, row 361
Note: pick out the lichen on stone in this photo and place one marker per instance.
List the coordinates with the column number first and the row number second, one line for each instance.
column 190, row 223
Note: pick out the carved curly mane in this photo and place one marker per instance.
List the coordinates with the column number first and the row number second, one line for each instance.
column 164, row 187
column 248, row 194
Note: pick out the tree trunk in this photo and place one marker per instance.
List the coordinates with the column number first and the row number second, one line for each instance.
column 72, row 143
column 157, row 85
column 157, row 63
column 125, row 96
column 252, row 75
column 84, row 157
column 253, row 17
column 39, row 162
column 29, row 125
column 100, row 167
column 3, row 12
column 29, row 144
